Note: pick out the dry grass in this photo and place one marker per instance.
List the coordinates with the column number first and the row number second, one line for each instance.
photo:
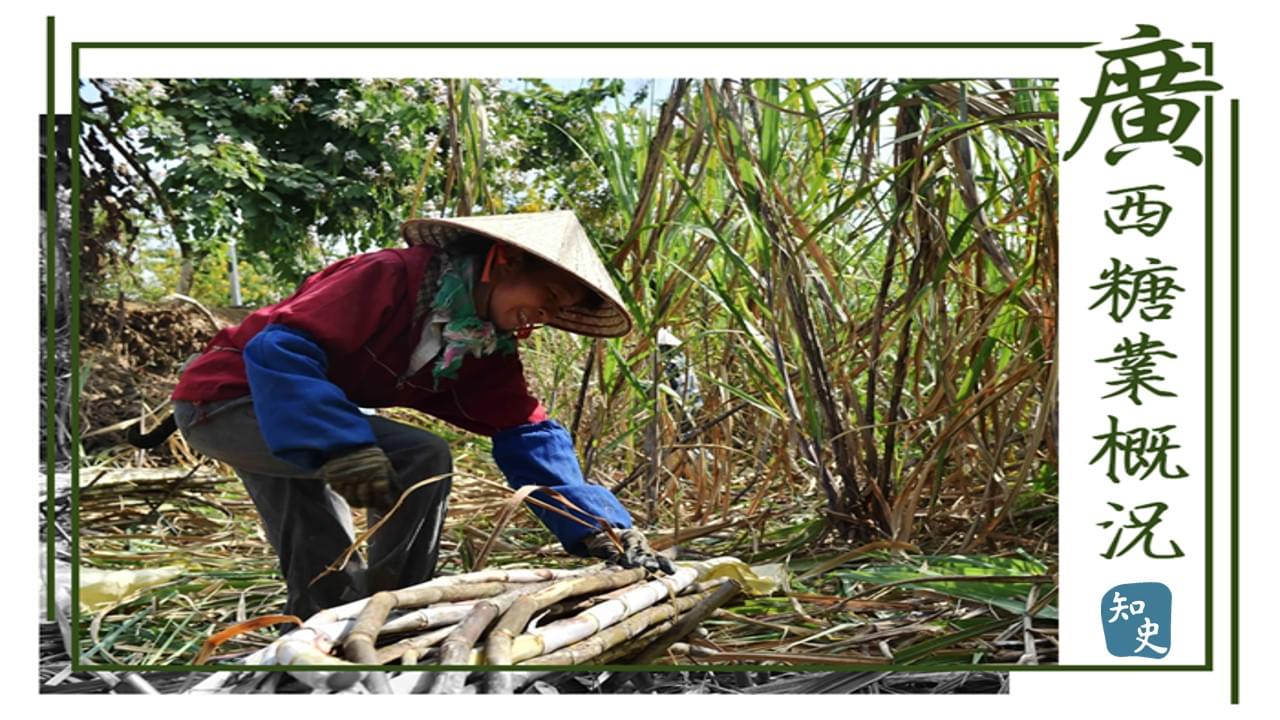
column 864, row 276
column 206, row 525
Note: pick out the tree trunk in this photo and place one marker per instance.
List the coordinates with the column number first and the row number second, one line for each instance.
column 187, row 274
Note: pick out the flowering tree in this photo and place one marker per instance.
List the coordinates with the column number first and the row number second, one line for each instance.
column 301, row 171
column 290, row 169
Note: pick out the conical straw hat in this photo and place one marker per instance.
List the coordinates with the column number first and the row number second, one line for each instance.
column 556, row 237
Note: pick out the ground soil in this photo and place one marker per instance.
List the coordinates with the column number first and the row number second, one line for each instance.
column 130, row 354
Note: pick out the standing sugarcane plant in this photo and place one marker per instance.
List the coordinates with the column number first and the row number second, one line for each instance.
column 860, row 275
column 872, row 266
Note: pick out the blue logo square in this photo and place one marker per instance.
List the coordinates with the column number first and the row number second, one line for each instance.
column 1136, row 620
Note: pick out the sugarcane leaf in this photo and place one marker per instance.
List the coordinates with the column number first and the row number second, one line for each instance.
column 1010, row 596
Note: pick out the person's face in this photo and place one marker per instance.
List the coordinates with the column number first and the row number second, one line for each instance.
column 525, row 298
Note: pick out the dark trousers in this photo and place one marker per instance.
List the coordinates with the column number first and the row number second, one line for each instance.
column 309, row 525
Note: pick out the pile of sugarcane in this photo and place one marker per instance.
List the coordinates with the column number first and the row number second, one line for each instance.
column 530, row 621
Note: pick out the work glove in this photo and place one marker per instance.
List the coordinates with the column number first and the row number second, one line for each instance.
column 635, row 551
column 362, row 477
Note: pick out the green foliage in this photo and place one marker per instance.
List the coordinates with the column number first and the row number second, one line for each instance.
column 866, row 268
column 303, row 171
column 280, row 165
column 1009, row 596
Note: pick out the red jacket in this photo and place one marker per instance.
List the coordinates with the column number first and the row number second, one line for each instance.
column 360, row 311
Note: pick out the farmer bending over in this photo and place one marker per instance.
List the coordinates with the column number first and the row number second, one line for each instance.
column 433, row 327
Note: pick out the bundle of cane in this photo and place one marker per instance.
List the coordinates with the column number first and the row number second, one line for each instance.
column 519, row 620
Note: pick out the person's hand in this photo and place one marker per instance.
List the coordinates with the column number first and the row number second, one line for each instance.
column 635, row 551
column 362, row 477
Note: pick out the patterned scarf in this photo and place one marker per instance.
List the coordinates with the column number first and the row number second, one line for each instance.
column 454, row 324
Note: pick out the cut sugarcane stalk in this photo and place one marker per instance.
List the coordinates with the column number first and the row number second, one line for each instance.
column 521, row 575
column 576, row 605
column 428, row 618
column 417, row 645
column 359, row 642
column 457, row 647
column 616, row 596
column 378, row 683
column 302, row 650
column 591, row 647
column 630, row 647
column 499, row 648
column 712, row 598
column 452, row 613
column 571, row 630
column 651, row 644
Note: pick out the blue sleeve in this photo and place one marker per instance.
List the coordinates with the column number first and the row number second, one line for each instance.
column 542, row 454
column 304, row 417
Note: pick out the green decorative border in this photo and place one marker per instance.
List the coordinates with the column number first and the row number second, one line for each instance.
column 588, row 45
column 1235, row 402
column 74, row 142
column 50, row 325
column 1208, row 362
column 76, row 47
